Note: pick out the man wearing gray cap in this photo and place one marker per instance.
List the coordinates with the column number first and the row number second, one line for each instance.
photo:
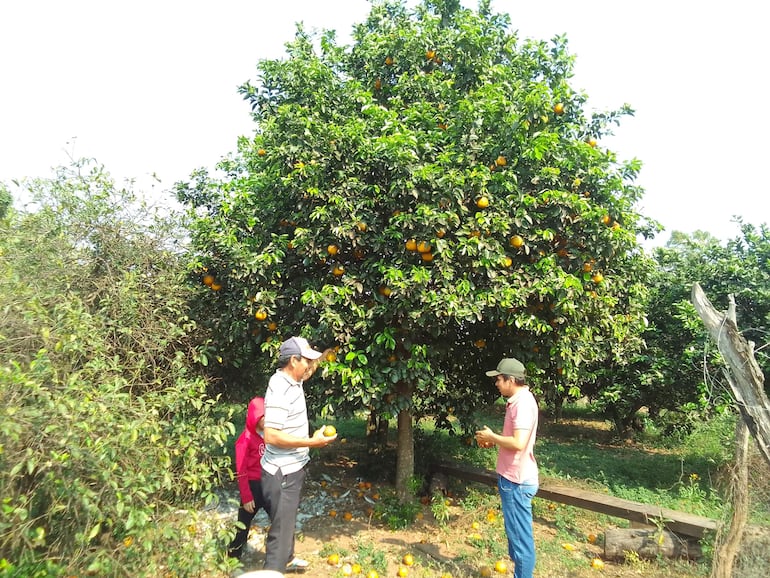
column 287, row 449
column 517, row 474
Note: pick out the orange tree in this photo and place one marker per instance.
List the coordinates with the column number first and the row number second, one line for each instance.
column 427, row 200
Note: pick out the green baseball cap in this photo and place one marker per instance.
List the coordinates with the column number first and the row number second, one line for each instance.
column 509, row 366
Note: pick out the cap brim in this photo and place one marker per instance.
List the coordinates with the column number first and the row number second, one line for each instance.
column 493, row 373
column 311, row 354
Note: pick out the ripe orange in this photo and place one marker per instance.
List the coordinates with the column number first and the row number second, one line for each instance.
column 216, row 286
column 361, row 226
column 606, row 219
column 272, row 326
column 333, row 513
column 338, row 270
column 558, row 108
column 330, row 430
column 615, row 226
column 408, row 559
column 377, row 84
column 491, row 516
column 507, row 261
column 427, row 257
column 591, row 142
column 597, row 278
column 208, row 280
column 429, row 54
column 517, row 241
column 332, row 249
column 501, row 161
column 411, row 245
column 424, row 247
column 356, row 568
column 333, row 559
column 587, row 267
column 475, row 526
column 402, row 571
column 592, row 538
column 372, row 574
column 568, row 546
column 261, row 152
column 482, row 202
column 440, row 233
column 331, row 356
column 385, row 291
column 480, row 343
column 388, row 60
column 348, row 516
column 260, row 315
column 597, row 563
column 501, row 567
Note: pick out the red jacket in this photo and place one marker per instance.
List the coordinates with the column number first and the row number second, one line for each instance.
column 249, row 448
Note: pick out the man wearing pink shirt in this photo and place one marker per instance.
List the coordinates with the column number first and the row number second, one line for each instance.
column 517, row 474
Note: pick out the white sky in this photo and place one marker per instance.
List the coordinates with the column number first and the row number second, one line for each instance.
column 150, row 87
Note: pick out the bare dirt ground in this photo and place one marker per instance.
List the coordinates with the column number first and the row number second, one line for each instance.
column 341, row 515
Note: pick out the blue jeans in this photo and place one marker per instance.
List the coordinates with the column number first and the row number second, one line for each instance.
column 517, row 516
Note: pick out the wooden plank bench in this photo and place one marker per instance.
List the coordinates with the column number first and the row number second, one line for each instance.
column 673, row 520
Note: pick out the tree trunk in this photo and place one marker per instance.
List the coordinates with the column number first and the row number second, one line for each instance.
column 727, row 551
column 744, row 375
column 404, row 456
column 648, row 544
column 376, row 433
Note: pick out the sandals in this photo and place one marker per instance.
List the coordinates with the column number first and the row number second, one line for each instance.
column 297, row 565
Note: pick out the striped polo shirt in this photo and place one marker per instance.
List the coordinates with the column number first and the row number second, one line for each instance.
column 285, row 410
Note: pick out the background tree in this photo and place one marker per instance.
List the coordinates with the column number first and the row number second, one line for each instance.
column 674, row 376
column 107, row 434
column 427, row 200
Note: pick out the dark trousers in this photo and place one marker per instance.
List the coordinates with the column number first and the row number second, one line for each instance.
column 244, row 520
column 282, row 494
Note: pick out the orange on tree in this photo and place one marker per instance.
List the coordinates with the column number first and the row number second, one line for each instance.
column 558, row 108
column 260, row 314
column 388, row 60
column 587, row 267
column 272, row 326
column 517, row 241
column 501, row 161
column 216, row 286
column 338, row 271
column 411, row 245
column 361, row 226
column 208, row 280
column 606, row 219
column 597, row 278
column 591, row 142
column 430, row 54
column 377, row 84
column 427, row 257
column 332, row 249
column 482, row 202
column 424, row 247
column 506, row 261
column 261, row 152
column 385, row 291
column 331, row 357
column 440, row 233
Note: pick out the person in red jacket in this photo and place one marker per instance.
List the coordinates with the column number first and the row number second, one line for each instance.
column 249, row 448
